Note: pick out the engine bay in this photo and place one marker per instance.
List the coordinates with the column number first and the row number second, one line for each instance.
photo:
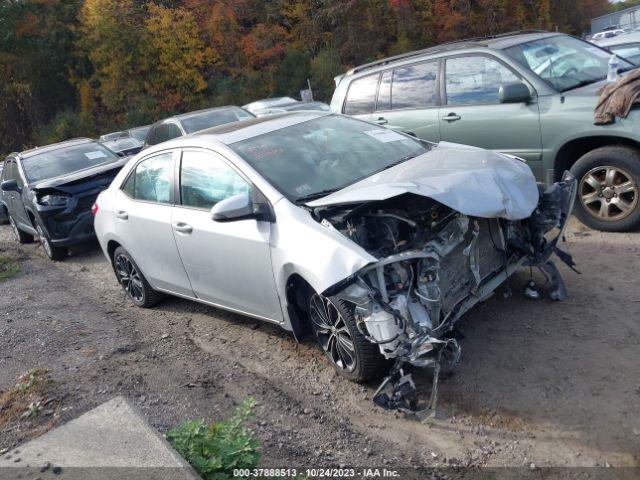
column 434, row 264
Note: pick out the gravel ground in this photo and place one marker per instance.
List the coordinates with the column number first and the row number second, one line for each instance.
column 543, row 383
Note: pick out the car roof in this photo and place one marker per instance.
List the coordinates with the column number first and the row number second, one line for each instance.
column 269, row 102
column 498, row 42
column 54, row 146
column 620, row 39
column 182, row 116
column 230, row 133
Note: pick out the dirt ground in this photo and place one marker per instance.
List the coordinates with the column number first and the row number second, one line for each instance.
column 543, row 383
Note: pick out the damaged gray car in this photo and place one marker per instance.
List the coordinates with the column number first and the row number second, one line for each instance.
column 371, row 240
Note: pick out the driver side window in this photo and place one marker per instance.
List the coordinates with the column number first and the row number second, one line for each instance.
column 205, row 179
column 475, row 80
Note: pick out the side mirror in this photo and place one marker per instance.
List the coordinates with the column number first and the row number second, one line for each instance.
column 240, row 207
column 10, row 186
column 516, row 92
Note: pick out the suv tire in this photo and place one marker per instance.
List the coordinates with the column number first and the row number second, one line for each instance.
column 133, row 282
column 54, row 253
column 351, row 354
column 607, row 178
column 20, row 236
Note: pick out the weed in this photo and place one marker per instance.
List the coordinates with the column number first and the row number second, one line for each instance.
column 8, row 268
column 27, row 398
column 216, row 450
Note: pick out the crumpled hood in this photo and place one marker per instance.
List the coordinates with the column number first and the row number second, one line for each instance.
column 473, row 181
column 80, row 175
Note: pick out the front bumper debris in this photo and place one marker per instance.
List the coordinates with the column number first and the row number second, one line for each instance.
column 409, row 302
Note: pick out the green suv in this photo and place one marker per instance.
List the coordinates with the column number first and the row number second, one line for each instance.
column 528, row 94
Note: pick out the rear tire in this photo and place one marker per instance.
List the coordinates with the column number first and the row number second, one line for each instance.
column 54, row 253
column 608, row 188
column 133, row 282
column 20, row 236
column 353, row 356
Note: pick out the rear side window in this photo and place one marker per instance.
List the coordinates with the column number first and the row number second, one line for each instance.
column 152, row 179
column 172, row 132
column 206, row 179
column 152, row 135
column 476, row 80
column 361, row 97
column 415, row 86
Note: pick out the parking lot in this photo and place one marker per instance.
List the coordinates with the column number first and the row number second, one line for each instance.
column 540, row 383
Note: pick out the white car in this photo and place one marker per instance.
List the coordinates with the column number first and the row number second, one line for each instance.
column 374, row 241
column 607, row 34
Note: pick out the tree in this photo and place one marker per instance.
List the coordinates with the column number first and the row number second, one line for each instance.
column 175, row 56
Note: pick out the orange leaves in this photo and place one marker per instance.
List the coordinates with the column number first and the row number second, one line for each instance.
column 263, row 45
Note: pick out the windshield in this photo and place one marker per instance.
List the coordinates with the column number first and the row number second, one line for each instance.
column 110, row 136
column 139, row 133
column 66, row 160
column 213, row 118
column 121, row 144
column 326, row 154
column 565, row 62
column 629, row 52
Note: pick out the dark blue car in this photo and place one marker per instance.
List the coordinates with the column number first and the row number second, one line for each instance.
column 48, row 192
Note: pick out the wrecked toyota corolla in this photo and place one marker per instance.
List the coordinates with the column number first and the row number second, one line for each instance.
column 370, row 239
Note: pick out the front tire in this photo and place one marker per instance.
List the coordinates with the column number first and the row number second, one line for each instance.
column 608, row 188
column 54, row 253
column 18, row 234
column 133, row 282
column 352, row 355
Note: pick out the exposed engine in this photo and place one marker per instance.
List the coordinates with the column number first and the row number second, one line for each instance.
column 434, row 264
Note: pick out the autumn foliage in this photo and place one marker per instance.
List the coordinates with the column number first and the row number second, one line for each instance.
column 77, row 67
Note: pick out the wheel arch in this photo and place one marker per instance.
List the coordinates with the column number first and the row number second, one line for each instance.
column 572, row 150
column 297, row 292
column 111, row 248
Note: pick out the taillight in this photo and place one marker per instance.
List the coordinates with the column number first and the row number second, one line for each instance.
column 94, row 209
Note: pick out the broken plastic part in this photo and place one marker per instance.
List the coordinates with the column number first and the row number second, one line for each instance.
column 531, row 290
column 398, row 390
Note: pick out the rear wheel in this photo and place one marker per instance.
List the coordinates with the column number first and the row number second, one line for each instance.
column 54, row 253
column 352, row 355
column 132, row 280
column 19, row 235
column 608, row 188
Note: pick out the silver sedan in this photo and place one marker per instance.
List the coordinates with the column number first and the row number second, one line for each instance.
column 369, row 239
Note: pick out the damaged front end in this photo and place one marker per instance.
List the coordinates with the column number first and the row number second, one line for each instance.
column 434, row 264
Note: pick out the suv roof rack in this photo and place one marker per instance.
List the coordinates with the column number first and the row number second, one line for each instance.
column 475, row 41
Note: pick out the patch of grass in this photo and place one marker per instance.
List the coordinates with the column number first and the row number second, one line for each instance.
column 27, row 398
column 215, row 450
column 8, row 268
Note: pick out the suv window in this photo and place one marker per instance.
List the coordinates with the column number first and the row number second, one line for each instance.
column 206, row 179
column 13, row 173
column 361, row 97
column 152, row 179
column 475, row 80
column 415, row 86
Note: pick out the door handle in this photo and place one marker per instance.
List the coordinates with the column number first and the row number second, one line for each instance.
column 452, row 117
column 182, row 227
column 122, row 215
column 381, row 121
